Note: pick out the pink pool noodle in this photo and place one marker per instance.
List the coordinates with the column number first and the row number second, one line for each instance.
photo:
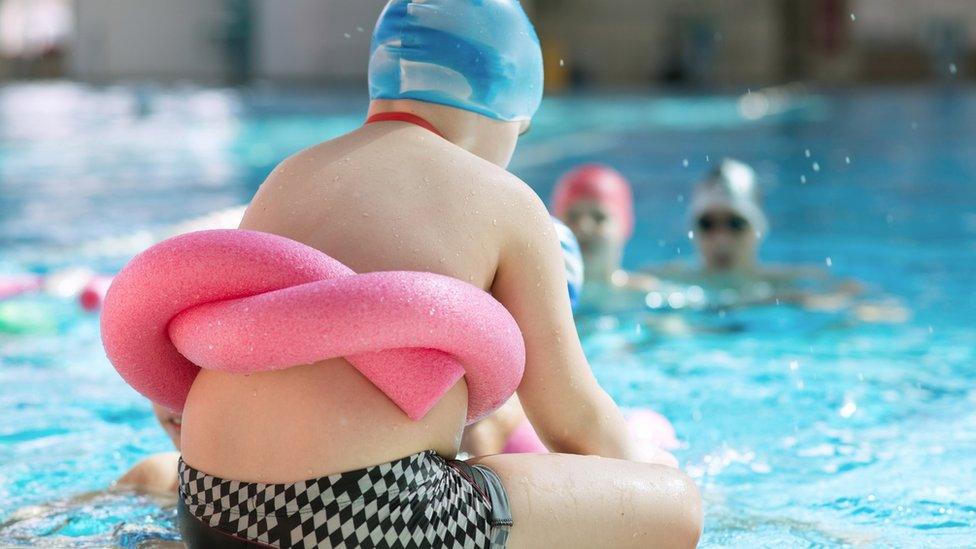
column 93, row 293
column 14, row 285
column 243, row 301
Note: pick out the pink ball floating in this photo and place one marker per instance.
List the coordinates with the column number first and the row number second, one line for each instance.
column 243, row 301
column 92, row 295
column 648, row 428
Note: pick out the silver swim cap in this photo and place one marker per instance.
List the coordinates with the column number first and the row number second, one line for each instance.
column 732, row 185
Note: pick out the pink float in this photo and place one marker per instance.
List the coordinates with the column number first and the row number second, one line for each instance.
column 524, row 440
column 14, row 285
column 243, row 301
column 647, row 427
column 650, row 428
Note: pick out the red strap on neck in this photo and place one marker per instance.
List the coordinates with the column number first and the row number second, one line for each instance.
column 399, row 116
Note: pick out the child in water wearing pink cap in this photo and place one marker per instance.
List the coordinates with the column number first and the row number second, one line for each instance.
column 597, row 204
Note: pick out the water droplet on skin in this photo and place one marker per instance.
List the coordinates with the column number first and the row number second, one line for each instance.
column 365, row 214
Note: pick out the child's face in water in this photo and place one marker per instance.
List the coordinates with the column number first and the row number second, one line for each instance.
column 599, row 233
column 171, row 423
column 726, row 241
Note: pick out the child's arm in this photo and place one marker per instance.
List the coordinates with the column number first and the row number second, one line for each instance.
column 155, row 474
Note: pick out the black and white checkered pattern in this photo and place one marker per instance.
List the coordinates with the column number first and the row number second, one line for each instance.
column 416, row 501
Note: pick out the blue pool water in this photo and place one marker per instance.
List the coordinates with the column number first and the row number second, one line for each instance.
column 802, row 428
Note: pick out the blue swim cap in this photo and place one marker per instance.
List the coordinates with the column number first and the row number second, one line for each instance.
column 573, row 261
column 478, row 55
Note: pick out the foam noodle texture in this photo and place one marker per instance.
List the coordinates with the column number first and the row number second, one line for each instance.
column 243, row 301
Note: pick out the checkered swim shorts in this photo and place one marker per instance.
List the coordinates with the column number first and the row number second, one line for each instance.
column 420, row 500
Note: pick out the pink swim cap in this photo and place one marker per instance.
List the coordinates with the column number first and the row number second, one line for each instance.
column 601, row 184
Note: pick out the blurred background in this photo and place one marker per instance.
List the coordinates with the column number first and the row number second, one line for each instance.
column 630, row 43
column 122, row 119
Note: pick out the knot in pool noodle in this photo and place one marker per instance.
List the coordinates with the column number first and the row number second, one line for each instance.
column 241, row 301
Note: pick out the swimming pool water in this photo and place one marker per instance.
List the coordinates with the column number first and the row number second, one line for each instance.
column 802, row 428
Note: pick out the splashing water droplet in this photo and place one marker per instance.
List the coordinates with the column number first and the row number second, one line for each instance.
column 562, row 63
column 829, row 262
column 806, row 152
column 853, row 17
column 684, row 162
column 847, row 160
column 848, row 409
column 952, row 68
column 803, row 179
column 816, row 166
